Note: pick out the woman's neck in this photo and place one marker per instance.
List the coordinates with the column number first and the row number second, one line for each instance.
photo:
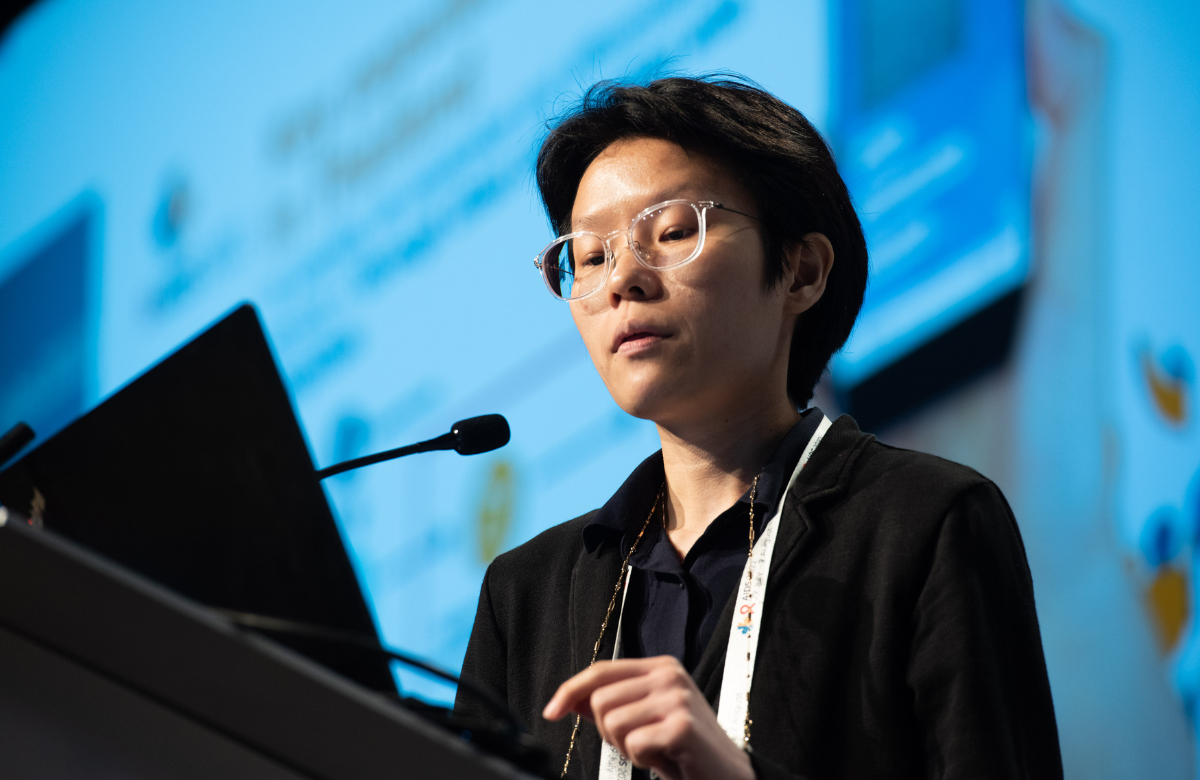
column 710, row 464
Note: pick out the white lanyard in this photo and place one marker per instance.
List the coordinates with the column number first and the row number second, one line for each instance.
column 613, row 765
column 743, row 630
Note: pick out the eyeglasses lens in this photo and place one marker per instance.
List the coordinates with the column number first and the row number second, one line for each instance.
column 575, row 267
column 667, row 236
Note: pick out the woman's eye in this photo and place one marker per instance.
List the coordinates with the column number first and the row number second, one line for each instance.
column 677, row 234
column 591, row 261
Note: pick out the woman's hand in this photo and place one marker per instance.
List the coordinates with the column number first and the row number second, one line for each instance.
column 651, row 710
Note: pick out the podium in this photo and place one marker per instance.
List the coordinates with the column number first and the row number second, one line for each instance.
column 104, row 674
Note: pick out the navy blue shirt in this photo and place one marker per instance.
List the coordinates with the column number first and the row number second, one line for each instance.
column 673, row 606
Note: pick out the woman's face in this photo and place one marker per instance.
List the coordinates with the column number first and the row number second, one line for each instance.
column 706, row 338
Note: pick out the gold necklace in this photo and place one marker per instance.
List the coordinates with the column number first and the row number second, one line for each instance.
column 617, row 590
column 608, row 613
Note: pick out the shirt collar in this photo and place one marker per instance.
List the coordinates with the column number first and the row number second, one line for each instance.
column 626, row 511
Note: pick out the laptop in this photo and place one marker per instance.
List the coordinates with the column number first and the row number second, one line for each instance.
column 198, row 475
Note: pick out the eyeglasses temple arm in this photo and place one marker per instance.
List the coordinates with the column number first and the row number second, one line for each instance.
column 712, row 205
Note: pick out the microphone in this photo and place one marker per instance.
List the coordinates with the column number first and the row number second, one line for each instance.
column 12, row 442
column 467, row 437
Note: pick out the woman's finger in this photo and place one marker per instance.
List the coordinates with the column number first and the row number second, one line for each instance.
column 574, row 694
column 614, row 724
column 619, row 694
column 657, row 745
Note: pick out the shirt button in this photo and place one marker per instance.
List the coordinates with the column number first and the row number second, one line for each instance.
column 681, row 585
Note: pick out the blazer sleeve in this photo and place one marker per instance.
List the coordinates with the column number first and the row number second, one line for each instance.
column 976, row 670
column 766, row 769
column 485, row 663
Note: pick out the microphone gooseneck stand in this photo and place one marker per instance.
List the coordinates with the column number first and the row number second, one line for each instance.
column 467, row 437
column 472, row 436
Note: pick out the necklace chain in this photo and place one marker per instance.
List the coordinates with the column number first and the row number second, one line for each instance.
column 611, row 605
column 617, row 591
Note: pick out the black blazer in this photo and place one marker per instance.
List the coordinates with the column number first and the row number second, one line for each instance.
column 899, row 640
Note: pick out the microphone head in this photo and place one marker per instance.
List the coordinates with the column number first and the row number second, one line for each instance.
column 480, row 434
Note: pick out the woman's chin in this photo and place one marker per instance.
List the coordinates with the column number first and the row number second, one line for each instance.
column 653, row 402
column 639, row 408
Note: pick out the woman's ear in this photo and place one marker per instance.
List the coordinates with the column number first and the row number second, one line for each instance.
column 809, row 262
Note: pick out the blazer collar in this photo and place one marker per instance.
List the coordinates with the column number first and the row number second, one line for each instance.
column 828, row 471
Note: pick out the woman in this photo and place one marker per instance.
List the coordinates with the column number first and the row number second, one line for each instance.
column 771, row 595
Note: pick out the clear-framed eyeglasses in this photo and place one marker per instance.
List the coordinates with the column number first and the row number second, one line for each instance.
column 666, row 235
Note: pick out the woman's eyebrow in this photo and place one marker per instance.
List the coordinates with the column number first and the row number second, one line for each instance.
column 686, row 192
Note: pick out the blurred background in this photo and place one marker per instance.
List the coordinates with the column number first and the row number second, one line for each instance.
column 1026, row 174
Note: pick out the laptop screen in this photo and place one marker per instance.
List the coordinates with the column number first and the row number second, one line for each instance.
column 197, row 475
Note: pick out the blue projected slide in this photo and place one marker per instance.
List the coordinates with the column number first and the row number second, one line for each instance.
column 930, row 122
column 46, row 318
column 362, row 173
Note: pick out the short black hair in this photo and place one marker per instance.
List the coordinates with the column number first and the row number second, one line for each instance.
column 768, row 146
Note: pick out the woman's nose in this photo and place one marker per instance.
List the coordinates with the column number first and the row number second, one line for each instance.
column 629, row 278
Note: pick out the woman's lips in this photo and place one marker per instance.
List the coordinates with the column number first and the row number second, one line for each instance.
column 637, row 342
column 637, row 336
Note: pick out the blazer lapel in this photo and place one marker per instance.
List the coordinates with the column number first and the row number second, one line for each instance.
column 795, row 531
column 592, row 582
column 825, row 475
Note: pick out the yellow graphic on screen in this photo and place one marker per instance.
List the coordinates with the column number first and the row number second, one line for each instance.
column 1167, row 600
column 1168, row 380
column 1165, row 540
column 496, row 509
